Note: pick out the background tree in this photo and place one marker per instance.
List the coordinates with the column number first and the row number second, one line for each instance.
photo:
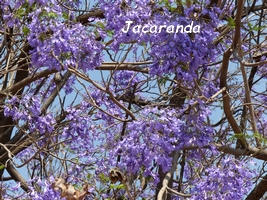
column 91, row 112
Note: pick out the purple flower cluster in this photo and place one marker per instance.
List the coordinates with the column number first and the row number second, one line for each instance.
column 230, row 179
column 58, row 45
column 45, row 190
column 57, row 42
column 28, row 109
column 166, row 49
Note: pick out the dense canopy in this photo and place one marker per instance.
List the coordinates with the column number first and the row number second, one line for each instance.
column 133, row 99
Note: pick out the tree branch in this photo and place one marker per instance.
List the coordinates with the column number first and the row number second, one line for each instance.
column 162, row 193
column 226, row 97
column 17, row 177
column 260, row 154
column 259, row 190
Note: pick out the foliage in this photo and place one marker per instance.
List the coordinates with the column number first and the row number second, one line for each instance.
column 88, row 111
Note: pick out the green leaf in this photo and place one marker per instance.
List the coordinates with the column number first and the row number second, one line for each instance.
column 52, row 15
column 258, row 28
column 238, row 135
column 89, row 176
column 26, row 30
column 110, row 33
column 20, row 13
column 103, row 178
column 65, row 15
column 163, row 80
column 250, row 25
column 23, row 10
column 168, row 5
column 2, row 167
column 260, row 138
column 254, row 27
column 65, row 55
column 120, row 186
column 44, row 13
column 184, row 67
column 231, row 22
column 101, row 25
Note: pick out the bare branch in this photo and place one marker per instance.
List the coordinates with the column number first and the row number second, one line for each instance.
column 162, row 192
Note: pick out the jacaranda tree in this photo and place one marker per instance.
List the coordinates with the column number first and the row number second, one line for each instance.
column 133, row 99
